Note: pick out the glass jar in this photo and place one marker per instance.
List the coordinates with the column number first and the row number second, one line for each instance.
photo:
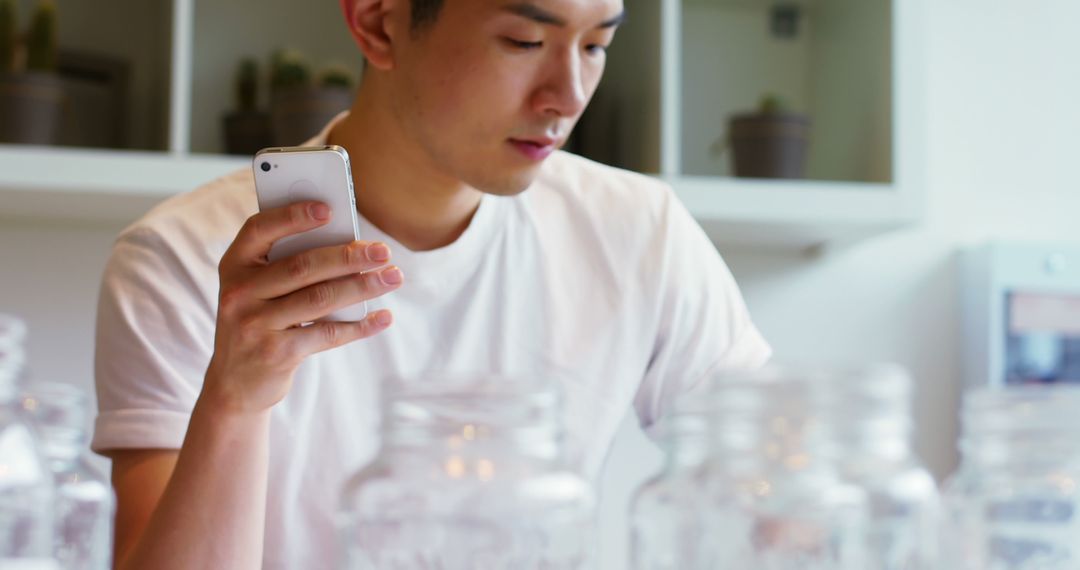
column 1014, row 503
column 26, row 489
column 871, row 423
column 472, row 474
column 12, row 330
column 748, row 483
column 84, row 504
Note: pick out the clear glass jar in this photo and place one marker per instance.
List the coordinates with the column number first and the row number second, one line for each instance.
column 84, row 503
column 26, row 489
column 1014, row 503
column 872, row 426
column 12, row 330
column 748, row 483
column 472, row 474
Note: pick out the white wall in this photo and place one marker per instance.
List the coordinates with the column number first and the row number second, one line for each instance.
column 1001, row 124
column 50, row 278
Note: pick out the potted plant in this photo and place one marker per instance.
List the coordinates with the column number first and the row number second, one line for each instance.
column 299, row 108
column 770, row 142
column 31, row 93
column 247, row 129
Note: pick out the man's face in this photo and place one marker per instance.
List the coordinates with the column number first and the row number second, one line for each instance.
column 494, row 86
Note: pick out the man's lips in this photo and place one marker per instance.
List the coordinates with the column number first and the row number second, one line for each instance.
column 539, row 141
column 535, row 149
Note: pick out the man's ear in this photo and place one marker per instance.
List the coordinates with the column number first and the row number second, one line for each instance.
column 369, row 24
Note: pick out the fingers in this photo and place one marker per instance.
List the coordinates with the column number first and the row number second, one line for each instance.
column 313, row 266
column 326, row 335
column 261, row 230
column 321, row 299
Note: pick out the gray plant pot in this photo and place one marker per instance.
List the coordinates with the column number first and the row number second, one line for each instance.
column 31, row 108
column 299, row 113
column 769, row 145
column 247, row 132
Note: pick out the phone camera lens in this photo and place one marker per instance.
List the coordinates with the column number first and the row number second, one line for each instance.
column 266, row 167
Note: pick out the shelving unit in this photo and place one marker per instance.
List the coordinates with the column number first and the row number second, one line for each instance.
column 790, row 215
column 95, row 186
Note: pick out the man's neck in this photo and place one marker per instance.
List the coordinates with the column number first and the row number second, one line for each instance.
column 397, row 188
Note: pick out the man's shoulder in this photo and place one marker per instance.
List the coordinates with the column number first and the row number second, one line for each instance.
column 188, row 233
column 208, row 214
column 589, row 180
column 612, row 200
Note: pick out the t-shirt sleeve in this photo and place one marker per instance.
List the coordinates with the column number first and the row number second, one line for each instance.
column 154, row 339
column 703, row 323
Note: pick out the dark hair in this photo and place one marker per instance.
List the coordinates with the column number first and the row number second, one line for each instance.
column 424, row 13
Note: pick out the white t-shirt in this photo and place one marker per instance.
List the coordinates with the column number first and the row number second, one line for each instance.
column 593, row 270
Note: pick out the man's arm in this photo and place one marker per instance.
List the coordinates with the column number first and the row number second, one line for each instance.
column 201, row 507
column 139, row 477
column 204, row 506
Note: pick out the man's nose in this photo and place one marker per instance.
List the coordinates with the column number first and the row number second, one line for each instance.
column 563, row 93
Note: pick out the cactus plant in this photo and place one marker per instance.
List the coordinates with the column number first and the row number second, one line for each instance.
column 247, row 85
column 335, row 76
column 7, row 36
column 41, row 39
column 288, row 70
column 771, row 104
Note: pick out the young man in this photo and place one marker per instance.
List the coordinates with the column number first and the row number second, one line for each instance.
column 232, row 430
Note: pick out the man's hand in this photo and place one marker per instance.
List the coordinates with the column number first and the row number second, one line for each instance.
column 259, row 343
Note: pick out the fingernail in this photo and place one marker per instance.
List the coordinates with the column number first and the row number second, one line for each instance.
column 391, row 276
column 378, row 252
column 320, row 211
column 384, row 318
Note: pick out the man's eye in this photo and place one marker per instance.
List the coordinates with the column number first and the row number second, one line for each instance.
column 523, row 45
column 595, row 48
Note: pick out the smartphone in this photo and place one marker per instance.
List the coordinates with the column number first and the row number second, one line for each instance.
column 285, row 175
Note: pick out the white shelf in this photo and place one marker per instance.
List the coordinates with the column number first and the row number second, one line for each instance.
column 791, row 214
column 94, row 186
column 39, row 183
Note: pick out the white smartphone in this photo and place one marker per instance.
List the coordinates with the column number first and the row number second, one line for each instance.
column 285, row 175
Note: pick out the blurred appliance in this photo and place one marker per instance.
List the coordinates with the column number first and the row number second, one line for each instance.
column 1021, row 314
